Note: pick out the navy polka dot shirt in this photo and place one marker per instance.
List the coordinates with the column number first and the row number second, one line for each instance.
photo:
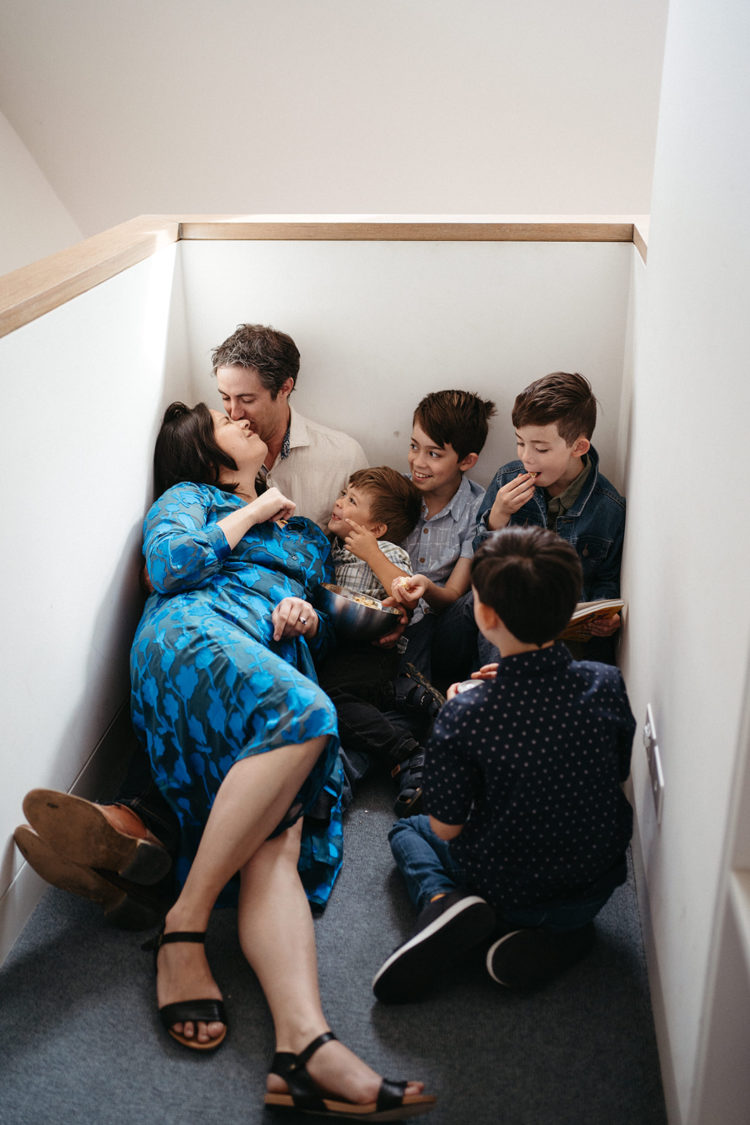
column 532, row 764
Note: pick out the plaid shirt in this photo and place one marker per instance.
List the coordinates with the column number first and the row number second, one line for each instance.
column 435, row 545
column 356, row 575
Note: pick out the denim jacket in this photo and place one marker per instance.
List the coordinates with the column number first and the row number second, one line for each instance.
column 595, row 525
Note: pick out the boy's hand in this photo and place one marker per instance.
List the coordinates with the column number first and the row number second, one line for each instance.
column 605, row 626
column 408, row 591
column 390, row 639
column 509, row 499
column 360, row 541
column 486, row 672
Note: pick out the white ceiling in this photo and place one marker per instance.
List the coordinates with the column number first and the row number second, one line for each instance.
column 486, row 106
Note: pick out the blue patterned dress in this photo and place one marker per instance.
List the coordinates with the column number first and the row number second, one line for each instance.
column 210, row 686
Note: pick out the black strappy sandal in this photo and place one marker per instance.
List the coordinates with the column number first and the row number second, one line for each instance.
column 207, row 1011
column 305, row 1096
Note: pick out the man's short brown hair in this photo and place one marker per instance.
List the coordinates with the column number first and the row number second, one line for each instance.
column 562, row 398
column 274, row 355
column 394, row 500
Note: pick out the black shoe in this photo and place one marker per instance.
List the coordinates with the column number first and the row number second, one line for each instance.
column 304, row 1095
column 409, row 774
column 445, row 929
column 413, row 692
column 524, row 958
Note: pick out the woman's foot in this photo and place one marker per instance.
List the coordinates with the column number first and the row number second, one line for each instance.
column 183, row 975
column 339, row 1073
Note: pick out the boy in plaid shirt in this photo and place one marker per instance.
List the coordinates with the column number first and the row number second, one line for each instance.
column 358, row 676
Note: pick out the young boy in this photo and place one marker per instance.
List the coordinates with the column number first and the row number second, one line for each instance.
column 528, row 824
column 448, row 434
column 556, row 483
column 376, row 503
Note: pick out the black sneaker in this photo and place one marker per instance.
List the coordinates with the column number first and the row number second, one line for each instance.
column 413, row 692
column 525, row 958
column 409, row 775
column 445, row 929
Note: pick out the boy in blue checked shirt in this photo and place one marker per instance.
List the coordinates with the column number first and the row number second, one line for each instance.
column 448, row 434
column 528, row 826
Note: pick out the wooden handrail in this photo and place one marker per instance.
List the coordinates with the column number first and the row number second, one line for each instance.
column 28, row 293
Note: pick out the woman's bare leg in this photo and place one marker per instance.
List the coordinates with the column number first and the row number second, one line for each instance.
column 277, row 937
column 251, row 801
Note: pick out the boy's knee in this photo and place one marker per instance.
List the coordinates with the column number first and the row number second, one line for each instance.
column 409, row 824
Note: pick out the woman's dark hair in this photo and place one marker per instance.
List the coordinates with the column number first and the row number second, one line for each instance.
column 186, row 449
column 531, row 578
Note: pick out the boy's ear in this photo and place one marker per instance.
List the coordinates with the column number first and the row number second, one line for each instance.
column 468, row 462
column 378, row 529
column 580, row 446
column 486, row 617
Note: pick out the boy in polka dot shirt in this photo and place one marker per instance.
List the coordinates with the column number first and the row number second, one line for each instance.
column 528, row 827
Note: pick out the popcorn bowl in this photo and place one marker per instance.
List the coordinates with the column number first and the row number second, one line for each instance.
column 356, row 616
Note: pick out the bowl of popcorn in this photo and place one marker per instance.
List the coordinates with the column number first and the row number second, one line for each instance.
column 354, row 615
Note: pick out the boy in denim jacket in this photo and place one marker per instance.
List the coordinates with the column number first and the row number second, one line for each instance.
column 556, row 483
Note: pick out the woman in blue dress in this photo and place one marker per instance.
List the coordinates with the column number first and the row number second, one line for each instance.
column 243, row 745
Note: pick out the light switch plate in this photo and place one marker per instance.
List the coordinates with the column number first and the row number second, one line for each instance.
column 653, row 757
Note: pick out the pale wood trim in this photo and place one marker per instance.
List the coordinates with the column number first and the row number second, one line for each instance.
column 34, row 290
column 409, row 229
column 640, row 236
column 30, row 292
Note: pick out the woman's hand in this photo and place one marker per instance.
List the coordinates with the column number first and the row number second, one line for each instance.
column 271, row 505
column 294, row 617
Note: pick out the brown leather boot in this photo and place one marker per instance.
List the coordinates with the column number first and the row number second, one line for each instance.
column 101, row 836
column 125, row 904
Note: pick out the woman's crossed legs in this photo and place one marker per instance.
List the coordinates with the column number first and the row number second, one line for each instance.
column 274, row 919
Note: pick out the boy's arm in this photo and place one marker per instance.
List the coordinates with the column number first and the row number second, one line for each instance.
column 364, row 545
column 409, row 591
column 445, row 831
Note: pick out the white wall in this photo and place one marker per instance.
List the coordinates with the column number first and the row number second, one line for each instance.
column 378, row 325
column 688, row 542
column 33, row 221
column 381, row 324
column 336, row 106
column 83, row 389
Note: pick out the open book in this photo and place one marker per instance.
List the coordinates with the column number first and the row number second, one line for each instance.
column 575, row 630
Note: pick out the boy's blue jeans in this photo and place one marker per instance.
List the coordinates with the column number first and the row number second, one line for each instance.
column 427, row 865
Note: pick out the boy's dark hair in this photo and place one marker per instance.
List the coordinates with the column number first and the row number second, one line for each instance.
column 394, row 500
column 531, row 578
column 458, row 418
column 274, row 355
column 186, row 449
column 567, row 400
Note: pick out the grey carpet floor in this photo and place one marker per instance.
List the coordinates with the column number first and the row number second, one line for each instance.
column 80, row 1040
